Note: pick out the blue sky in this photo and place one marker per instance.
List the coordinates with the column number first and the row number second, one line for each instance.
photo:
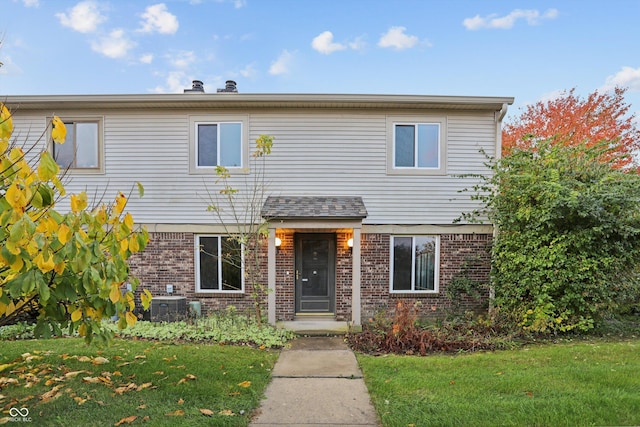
column 530, row 50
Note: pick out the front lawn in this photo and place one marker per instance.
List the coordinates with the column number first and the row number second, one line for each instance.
column 570, row 384
column 62, row 382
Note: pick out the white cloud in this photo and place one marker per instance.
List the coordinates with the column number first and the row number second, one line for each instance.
column 147, row 58
column 182, row 59
column 397, row 39
column 115, row 45
column 9, row 67
column 84, row 17
column 357, row 44
column 282, row 64
column 249, row 71
column 175, row 82
column 31, row 3
column 324, row 43
column 494, row 21
column 626, row 77
column 157, row 18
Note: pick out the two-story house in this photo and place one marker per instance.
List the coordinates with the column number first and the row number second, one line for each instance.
column 361, row 190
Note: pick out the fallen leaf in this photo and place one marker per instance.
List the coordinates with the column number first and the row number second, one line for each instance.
column 74, row 374
column 145, row 418
column 143, row 386
column 234, row 393
column 80, row 400
column 180, row 401
column 127, row 420
column 245, row 384
column 190, row 377
column 91, row 380
column 100, row 360
column 5, row 366
column 169, row 359
column 84, row 359
column 183, row 380
column 51, row 394
column 207, row 412
column 143, row 406
column 227, row 412
column 158, row 373
column 140, row 356
column 117, row 373
column 176, row 413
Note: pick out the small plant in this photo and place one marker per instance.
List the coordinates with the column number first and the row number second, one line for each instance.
column 401, row 333
column 226, row 327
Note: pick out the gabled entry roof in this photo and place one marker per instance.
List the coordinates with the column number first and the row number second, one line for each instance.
column 308, row 207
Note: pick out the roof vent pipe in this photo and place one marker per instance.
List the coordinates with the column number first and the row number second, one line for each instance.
column 230, row 86
column 196, row 86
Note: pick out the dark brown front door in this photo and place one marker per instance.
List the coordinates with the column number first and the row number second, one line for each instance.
column 315, row 273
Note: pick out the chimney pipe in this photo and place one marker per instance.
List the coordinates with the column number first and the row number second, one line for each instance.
column 230, row 86
column 196, row 86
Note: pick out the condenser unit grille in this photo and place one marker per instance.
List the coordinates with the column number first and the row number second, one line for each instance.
column 168, row 308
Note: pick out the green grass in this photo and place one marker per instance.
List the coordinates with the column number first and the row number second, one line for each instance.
column 220, row 373
column 570, row 384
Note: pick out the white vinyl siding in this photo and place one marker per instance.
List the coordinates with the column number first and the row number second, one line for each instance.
column 315, row 153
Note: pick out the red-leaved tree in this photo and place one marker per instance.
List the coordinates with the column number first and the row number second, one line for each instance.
column 571, row 120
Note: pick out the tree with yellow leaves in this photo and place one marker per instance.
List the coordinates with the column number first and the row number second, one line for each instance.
column 71, row 267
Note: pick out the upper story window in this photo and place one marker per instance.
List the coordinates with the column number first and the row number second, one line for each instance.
column 416, row 145
column 415, row 264
column 82, row 150
column 218, row 143
column 218, row 265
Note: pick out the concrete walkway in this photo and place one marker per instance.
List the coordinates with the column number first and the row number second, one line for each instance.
column 316, row 382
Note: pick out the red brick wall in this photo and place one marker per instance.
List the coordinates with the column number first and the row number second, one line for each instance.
column 457, row 251
column 170, row 259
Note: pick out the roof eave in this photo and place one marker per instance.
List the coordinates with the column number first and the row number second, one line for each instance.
column 248, row 100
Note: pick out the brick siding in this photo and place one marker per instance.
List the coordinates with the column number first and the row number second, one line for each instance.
column 170, row 259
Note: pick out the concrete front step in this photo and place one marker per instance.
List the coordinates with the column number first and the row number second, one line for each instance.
column 316, row 326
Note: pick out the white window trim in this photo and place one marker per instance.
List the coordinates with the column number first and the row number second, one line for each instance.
column 392, row 121
column 194, row 121
column 436, row 270
column 100, row 169
column 197, row 268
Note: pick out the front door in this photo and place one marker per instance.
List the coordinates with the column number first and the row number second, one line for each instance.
column 315, row 273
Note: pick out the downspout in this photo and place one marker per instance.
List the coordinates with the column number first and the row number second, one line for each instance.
column 498, row 154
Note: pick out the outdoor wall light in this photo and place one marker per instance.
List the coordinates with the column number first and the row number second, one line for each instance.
column 350, row 244
column 278, row 243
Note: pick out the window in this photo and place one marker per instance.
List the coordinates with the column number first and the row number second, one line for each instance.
column 218, row 140
column 219, row 144
column 82, row 148
column 416, row 145
column 218, row 264
column 414, row 263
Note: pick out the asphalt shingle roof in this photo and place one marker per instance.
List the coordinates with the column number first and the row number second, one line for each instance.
column 306, row 207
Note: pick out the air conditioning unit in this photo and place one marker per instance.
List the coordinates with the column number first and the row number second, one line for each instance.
column 168, row 308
